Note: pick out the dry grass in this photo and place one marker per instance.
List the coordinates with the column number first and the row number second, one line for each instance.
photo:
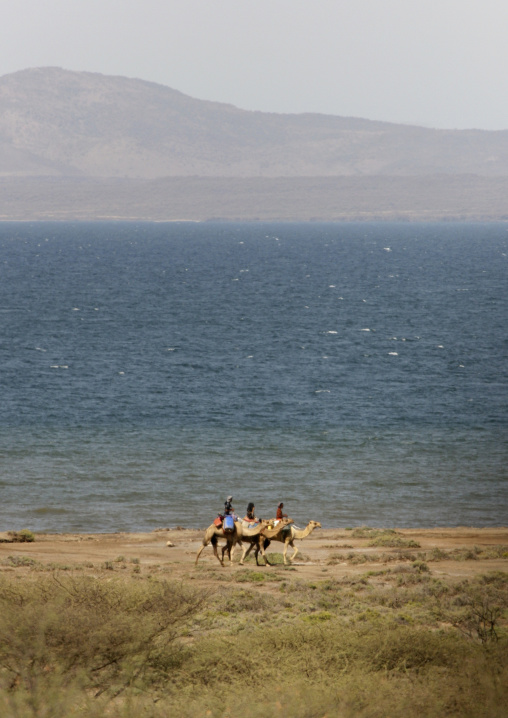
column 396, row 641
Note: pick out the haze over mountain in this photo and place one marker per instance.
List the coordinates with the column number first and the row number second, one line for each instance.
column 89, row 131
column 62, row 123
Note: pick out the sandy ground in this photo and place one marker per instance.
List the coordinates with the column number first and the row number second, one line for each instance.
column 152, row 553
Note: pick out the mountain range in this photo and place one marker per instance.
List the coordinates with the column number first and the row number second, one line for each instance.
column 67, row 137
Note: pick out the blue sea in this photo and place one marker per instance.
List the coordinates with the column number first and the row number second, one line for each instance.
column 356, row 372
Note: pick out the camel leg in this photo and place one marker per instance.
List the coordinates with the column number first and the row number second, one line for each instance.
column 286, row 546
column 245, row 553
column 232, row 551
column 230, row 548
column 205, row 544
column 296, row 551
column 215, row 553
column 200, row 550
column 260, row 548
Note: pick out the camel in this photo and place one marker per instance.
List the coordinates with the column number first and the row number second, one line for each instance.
column 255, row 538
column 213, row 534
column 287, row 537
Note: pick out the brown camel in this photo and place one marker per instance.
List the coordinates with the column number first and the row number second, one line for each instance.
column 254, row 538
column 213, row 534
column 287, row 535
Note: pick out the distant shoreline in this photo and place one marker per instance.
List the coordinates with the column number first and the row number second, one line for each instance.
column 423, row 199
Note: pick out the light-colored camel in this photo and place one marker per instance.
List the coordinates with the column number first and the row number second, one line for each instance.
column 288, row 536
column 213, row 534
column 255, row 538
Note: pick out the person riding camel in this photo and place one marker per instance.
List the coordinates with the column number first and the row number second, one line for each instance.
column 250, row 516
column 280, row 514
column 228, row 511
column 250, row 520
column 228, row 507
column 228, row 520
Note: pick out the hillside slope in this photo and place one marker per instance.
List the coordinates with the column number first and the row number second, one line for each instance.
column 54, row 122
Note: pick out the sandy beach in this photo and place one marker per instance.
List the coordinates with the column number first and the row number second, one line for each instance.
column 463, row 552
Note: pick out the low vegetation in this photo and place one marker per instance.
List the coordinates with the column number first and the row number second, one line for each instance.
column 108, row 640
column 23, row 536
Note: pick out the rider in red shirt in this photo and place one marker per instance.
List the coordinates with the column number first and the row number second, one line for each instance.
column 280, row 515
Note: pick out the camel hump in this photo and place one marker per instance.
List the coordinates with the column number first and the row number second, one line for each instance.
column 249, row 527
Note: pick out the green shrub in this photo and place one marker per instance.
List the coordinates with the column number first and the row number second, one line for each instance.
column 23, row 536
column 367, row 532
column 394, row 542
column 18, row 561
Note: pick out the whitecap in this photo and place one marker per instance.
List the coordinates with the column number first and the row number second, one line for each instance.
column 322, row 391
column 440, row 346
column 40, row 349
column 387, row 249
column 332, row 331
column 332, row 286
column 393, row 354
column 365, row 330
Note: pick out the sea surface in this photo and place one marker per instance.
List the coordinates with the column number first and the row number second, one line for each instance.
column 356, row 372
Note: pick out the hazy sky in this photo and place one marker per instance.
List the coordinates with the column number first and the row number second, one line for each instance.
column 440, row 63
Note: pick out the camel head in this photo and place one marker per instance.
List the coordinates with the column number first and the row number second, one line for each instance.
column 284, row 522
column 315, row 524
column 261, row 526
